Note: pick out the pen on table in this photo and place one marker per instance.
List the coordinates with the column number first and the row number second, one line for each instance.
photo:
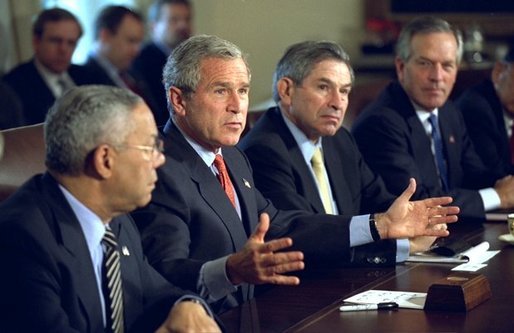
column 366, row 307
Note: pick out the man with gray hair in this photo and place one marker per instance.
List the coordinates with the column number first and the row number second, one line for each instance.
column 413, row 131
column 207, row 227
column 72, row 257
column 301, row 156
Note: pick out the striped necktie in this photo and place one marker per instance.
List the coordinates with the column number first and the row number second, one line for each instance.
column 319, row 171
column 112, row 285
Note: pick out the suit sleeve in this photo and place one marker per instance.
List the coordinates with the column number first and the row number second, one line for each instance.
column 165, row 231
column 29, row 284
column 275, row 177
column 383, row 141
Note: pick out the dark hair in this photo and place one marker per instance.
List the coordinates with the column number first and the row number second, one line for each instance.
column 110, row 18
column 155, row 8
column 299, row 59
column 53, row 15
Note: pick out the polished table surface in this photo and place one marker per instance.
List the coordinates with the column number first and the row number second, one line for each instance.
column 314, row 305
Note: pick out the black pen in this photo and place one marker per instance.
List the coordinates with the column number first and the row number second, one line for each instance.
column 366, row 307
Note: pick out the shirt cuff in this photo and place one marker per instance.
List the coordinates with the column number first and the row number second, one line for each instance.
column 213, row 283
column 359, row 230
column 196, row 299
column 402, row 250
column 490, row 198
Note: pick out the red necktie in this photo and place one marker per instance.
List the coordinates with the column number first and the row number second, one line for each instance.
column 224, row 178
column 512, row 143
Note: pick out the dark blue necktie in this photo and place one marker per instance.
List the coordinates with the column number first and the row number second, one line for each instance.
column 438, row 148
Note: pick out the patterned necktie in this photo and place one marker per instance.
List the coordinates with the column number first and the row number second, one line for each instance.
column 64, row 85
column 224, row 178
column 112, row 284
column 438, row 148
column 319, row 168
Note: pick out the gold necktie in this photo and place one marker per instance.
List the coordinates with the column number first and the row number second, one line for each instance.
column 319, row 167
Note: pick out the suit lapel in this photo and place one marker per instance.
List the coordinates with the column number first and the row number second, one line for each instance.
column 298, row 162
column 336, row 175
column 420, row 141
column 76, row 253
column 452, row 148
column 208, row 185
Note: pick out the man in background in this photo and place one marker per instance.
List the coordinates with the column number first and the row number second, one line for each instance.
column 38, row 82
column 207, row 227
column 488, row 110
column 170, row 23
column 119, row 32
column 72, row 256
column 412, row 131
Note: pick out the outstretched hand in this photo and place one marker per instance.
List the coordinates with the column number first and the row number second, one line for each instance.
column 408, row 219
column 258, row 262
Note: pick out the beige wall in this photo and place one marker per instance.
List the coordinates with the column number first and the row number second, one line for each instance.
column 264, row 28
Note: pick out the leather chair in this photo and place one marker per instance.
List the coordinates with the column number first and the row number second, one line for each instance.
column 23, row 156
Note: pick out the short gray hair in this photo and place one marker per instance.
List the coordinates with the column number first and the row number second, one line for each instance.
column 182, row 70
column 81, row 120
column 425, row 25
column 300, row 58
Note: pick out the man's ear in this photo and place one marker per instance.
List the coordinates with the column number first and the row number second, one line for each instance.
column 177, row 100
column 285, row 89
column 399, row 64
column 498, row 69
column 102, row 160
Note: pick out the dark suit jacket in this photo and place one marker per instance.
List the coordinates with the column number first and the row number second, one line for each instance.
column 48, row 282
column 34, row 94
column 483, row 114
column 100, row 76
column 149, row 63
column 190, row 219
column 281, row 174
column 395, row 145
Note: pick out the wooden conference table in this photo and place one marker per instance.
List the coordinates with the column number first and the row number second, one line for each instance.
column 314, row 305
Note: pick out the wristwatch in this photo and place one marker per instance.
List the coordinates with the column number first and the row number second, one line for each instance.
column 373, row 228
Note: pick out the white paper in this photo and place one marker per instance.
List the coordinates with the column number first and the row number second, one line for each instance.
column 476, row 254
column 404, row 299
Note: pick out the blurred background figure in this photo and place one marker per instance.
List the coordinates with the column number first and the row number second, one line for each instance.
column 38, row 82
column 119, row 32
column 170, row 23
column 488, row 110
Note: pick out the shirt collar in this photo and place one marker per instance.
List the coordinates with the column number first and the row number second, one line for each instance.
column 50, row 77
column 307, row 147
column 91, row 224
column 424, row 114
column 206, row 155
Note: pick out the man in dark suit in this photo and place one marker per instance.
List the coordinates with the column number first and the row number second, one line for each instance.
column 488, row 110
column 411, row 130
column 119, row 32
column 60, row 275
column 203, row 221
column 311, row 85
column 49, row 74
column 170, row 24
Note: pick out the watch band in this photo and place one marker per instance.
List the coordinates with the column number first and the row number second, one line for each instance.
column 373, row 228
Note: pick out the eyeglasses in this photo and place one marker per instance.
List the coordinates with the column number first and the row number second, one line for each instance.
column 152, row 152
